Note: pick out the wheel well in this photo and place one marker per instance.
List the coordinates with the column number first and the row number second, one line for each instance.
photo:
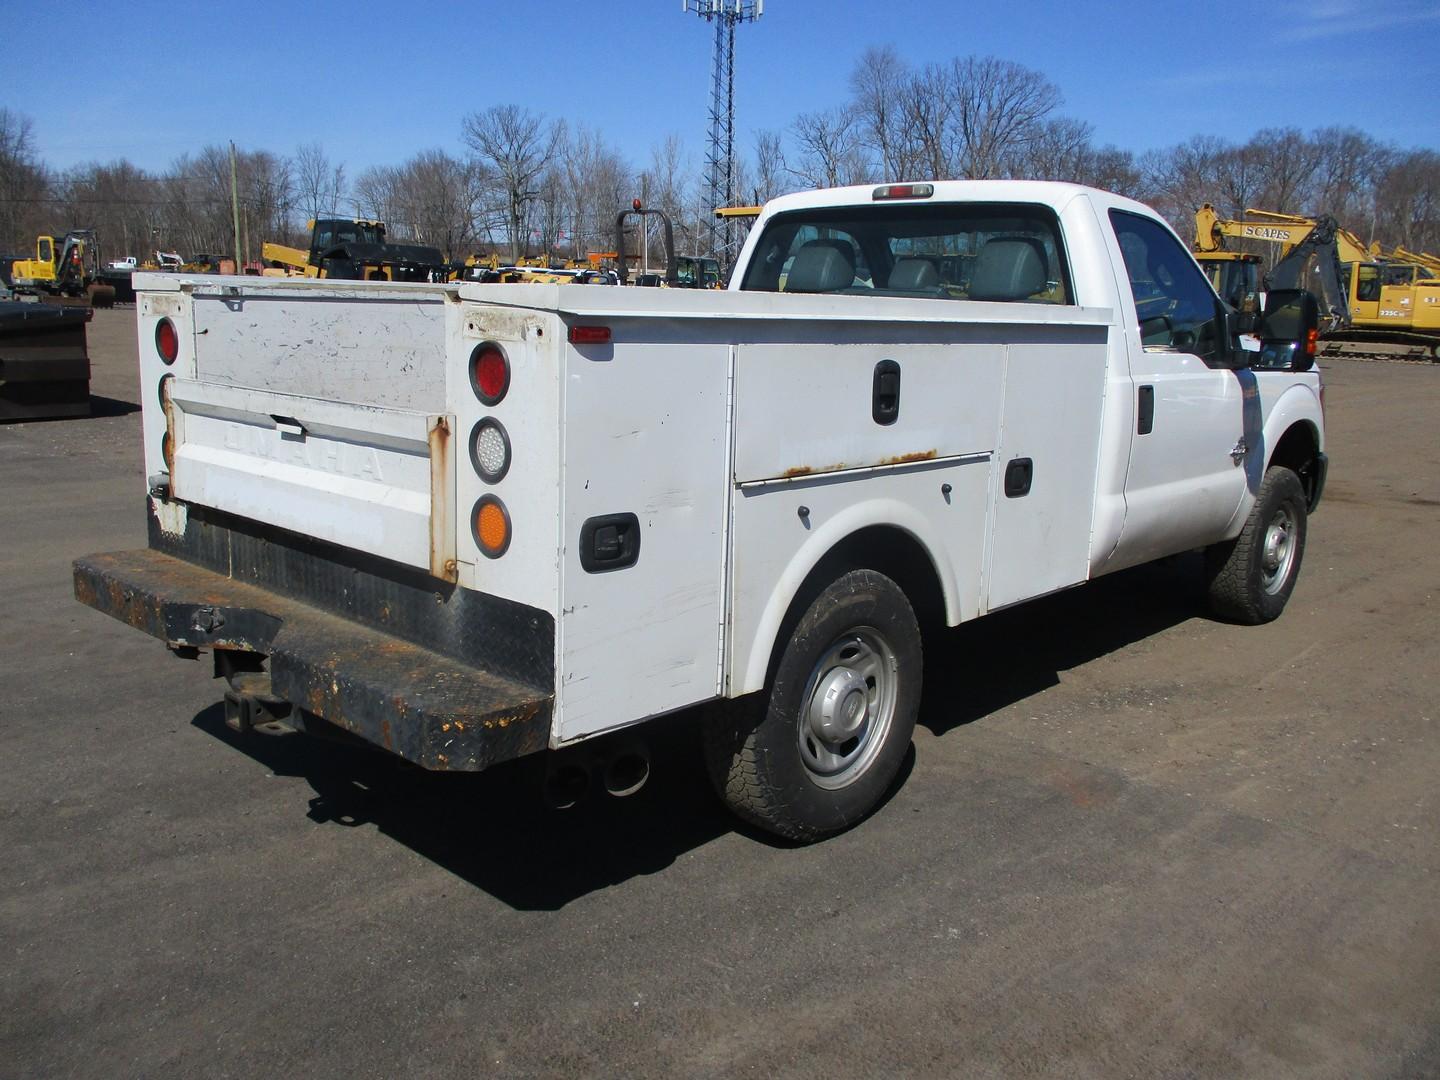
column 1297, row 452
column 885, row 549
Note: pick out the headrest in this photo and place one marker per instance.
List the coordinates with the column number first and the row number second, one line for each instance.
column 1009, row 268
column 821, row 266
column 914, row 275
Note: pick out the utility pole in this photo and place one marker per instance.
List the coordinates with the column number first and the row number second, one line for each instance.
column 235, row 206
column 720, row 156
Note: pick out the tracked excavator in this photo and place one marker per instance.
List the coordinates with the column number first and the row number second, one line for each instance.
column 65, row 266
column 1376, row 307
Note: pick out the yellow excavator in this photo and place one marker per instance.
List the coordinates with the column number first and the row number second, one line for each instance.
column 63, row 266
column 1379, row 306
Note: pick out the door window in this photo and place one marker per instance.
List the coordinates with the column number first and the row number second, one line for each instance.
column 1177, row 309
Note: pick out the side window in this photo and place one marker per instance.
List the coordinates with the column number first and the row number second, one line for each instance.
column 1177, row 308
column 1368, row 287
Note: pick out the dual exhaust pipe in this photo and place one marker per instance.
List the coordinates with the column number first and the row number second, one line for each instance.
column 570, row 776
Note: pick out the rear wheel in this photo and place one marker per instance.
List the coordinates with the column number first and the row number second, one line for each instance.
column 1252, row 576
column 817, row 752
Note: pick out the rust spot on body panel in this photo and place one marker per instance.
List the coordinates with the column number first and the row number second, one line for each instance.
column 906, row 459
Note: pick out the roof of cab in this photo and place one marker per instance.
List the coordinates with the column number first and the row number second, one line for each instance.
column 1052, row 193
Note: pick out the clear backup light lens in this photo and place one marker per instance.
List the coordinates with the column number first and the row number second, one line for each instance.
column 167, row 341
column 490, row 450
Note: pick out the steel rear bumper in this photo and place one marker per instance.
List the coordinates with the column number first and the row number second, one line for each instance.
column 425, row 707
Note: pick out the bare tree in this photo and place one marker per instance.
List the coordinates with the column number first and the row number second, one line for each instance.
column 319, row 185
column 827, row 149
column 999, row 109
column 595, row 183
column 1408, row 198
column 769, row 167
column 877, row 93
column 517, row 147
column 1348, row 165
column 1286, row 162
column 24, row 182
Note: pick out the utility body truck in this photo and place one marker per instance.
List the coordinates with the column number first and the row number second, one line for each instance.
column 472, row 522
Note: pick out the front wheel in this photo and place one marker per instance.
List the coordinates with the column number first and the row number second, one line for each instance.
column 817, row 753
column 1252, row 576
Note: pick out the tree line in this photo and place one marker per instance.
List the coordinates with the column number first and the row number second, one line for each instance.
column 527, row 184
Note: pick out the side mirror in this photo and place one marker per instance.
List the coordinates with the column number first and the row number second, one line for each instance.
column 1289, row 331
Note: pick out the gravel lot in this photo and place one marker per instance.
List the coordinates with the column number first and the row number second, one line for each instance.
column 1132, row 841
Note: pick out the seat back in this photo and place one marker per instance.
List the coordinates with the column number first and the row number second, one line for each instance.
column 821, row 266
column 1009, row 268
column 915, row 275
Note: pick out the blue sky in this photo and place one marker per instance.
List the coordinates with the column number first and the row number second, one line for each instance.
column 376, row 82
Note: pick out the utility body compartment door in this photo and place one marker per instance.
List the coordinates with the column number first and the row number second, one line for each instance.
column 376, row 480
column 1045, row 469
column 646, row 441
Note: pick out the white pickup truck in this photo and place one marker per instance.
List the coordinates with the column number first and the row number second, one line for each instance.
column 472, row 522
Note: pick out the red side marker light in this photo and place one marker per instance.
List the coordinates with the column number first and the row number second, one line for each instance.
column 589, row 335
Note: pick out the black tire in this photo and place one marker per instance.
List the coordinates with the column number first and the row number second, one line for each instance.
column 1251, row 577
column 816, row 752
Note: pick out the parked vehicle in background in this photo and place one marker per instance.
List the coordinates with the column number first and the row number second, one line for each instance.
column 472, row 522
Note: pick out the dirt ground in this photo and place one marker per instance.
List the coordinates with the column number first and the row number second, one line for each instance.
column 1132, row 841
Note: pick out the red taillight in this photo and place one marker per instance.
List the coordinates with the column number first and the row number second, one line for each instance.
column 167, row 341
column 589, row 335
column 903, row 191
column 489, row 373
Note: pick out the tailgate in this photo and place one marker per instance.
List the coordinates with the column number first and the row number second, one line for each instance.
column 321, row 414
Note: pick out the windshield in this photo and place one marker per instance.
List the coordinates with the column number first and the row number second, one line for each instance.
column 968, row 251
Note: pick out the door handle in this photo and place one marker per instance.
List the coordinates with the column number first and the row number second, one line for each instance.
column 1018, row 475
column 1145, row 413
column 885, row 393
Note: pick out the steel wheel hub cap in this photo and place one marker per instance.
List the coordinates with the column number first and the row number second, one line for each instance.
column 849, row 705
column 838, row 708
column 1278, row 551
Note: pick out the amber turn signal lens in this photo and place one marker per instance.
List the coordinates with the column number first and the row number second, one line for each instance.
column 491, row 525
column 167, row 341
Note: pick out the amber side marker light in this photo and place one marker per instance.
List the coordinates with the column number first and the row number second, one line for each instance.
column 490, row 524
column 167, row 341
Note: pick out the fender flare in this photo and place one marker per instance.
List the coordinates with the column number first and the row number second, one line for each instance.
column 1298, row 404
column 750, row 668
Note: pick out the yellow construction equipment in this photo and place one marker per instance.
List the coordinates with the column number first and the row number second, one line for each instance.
column 354, row 249
column 1381, row 306
column 64, row 266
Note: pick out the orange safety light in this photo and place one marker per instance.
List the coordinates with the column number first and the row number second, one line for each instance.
column 490, row 524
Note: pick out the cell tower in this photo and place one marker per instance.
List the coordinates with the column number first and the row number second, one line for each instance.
column 720, row 157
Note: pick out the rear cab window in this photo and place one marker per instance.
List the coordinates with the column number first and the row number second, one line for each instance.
column 944, row 251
